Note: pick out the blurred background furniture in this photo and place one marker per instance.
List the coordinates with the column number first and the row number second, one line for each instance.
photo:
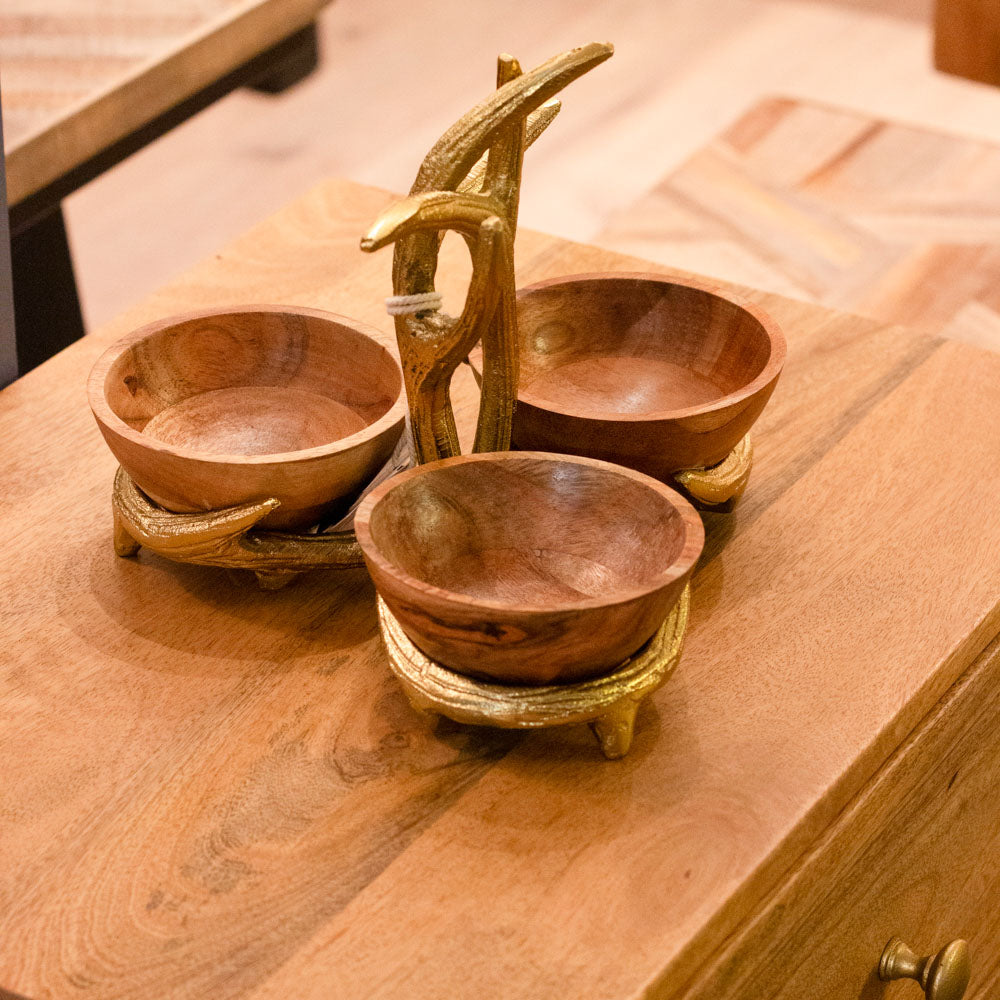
column 839, row 208
column 967, row 39
column 87, row 84
column 8, row 342
column 683, row 72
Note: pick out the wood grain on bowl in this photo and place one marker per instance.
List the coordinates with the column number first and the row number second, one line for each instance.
column 637, row 369
column 214, row 409
column 526, row 567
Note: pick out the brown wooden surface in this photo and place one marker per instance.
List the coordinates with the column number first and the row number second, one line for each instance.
column 79, row 76
column 967, row 39
column 684, row 70
column 894, row 222
column 531, row 569
column 213, row 791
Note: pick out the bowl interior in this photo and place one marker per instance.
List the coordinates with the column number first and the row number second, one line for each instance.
column 631, row 345
column 529, row 531
column 252, row 383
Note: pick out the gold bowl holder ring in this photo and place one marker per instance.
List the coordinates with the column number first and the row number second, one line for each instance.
column 609, row 702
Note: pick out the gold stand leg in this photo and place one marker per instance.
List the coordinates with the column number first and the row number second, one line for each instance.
column 125, row 544
column 719, row 488
column 615, row 728
column 422, row 706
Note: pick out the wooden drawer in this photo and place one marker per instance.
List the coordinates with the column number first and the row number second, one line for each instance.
column 916, row 855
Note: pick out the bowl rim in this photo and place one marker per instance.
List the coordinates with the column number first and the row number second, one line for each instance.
column 106, row 417
column 770, row 372
column 691, row 548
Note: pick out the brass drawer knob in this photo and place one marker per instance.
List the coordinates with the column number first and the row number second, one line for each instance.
column 943, row 976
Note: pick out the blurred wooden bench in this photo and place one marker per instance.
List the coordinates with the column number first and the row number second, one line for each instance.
column 85, row 86
column 890, row 221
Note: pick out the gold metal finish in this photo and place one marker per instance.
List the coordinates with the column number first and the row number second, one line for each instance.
column 720, row 487
column 609, row 703
column 456, row 190
column 225, row 538
column 943, row 976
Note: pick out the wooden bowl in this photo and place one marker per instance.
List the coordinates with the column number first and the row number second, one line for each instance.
column 528, row 568
column 640, row 370
column 212, row 409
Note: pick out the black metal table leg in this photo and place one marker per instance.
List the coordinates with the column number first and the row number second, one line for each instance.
column 8, row 340
column 289, row 61
column 47, row 313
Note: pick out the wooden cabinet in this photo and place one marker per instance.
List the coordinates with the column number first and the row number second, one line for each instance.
column 215, row 791
column 915, row 855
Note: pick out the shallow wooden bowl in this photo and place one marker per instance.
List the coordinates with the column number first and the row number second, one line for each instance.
column 528, row 568
column 636, row 369
column 212, row 409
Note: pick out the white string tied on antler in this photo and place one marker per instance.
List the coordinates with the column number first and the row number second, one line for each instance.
column 407, row 305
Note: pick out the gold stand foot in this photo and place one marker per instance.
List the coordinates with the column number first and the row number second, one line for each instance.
column 614, row 730
column 422, row 706
column 720, row 487
column 609, row 703
column 125, row 544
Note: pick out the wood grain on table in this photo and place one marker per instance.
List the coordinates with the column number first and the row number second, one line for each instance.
column 215, row 791
column 82, row 74
column 839, row 208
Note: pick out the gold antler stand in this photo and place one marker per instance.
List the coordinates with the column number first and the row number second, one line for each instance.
column 470, row 183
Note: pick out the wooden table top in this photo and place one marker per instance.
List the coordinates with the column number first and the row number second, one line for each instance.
column 210, row 790
column 874, row 217
column 81, row 74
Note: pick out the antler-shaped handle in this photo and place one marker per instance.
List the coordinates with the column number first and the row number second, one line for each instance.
column 448, row 195
column 433, row 345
